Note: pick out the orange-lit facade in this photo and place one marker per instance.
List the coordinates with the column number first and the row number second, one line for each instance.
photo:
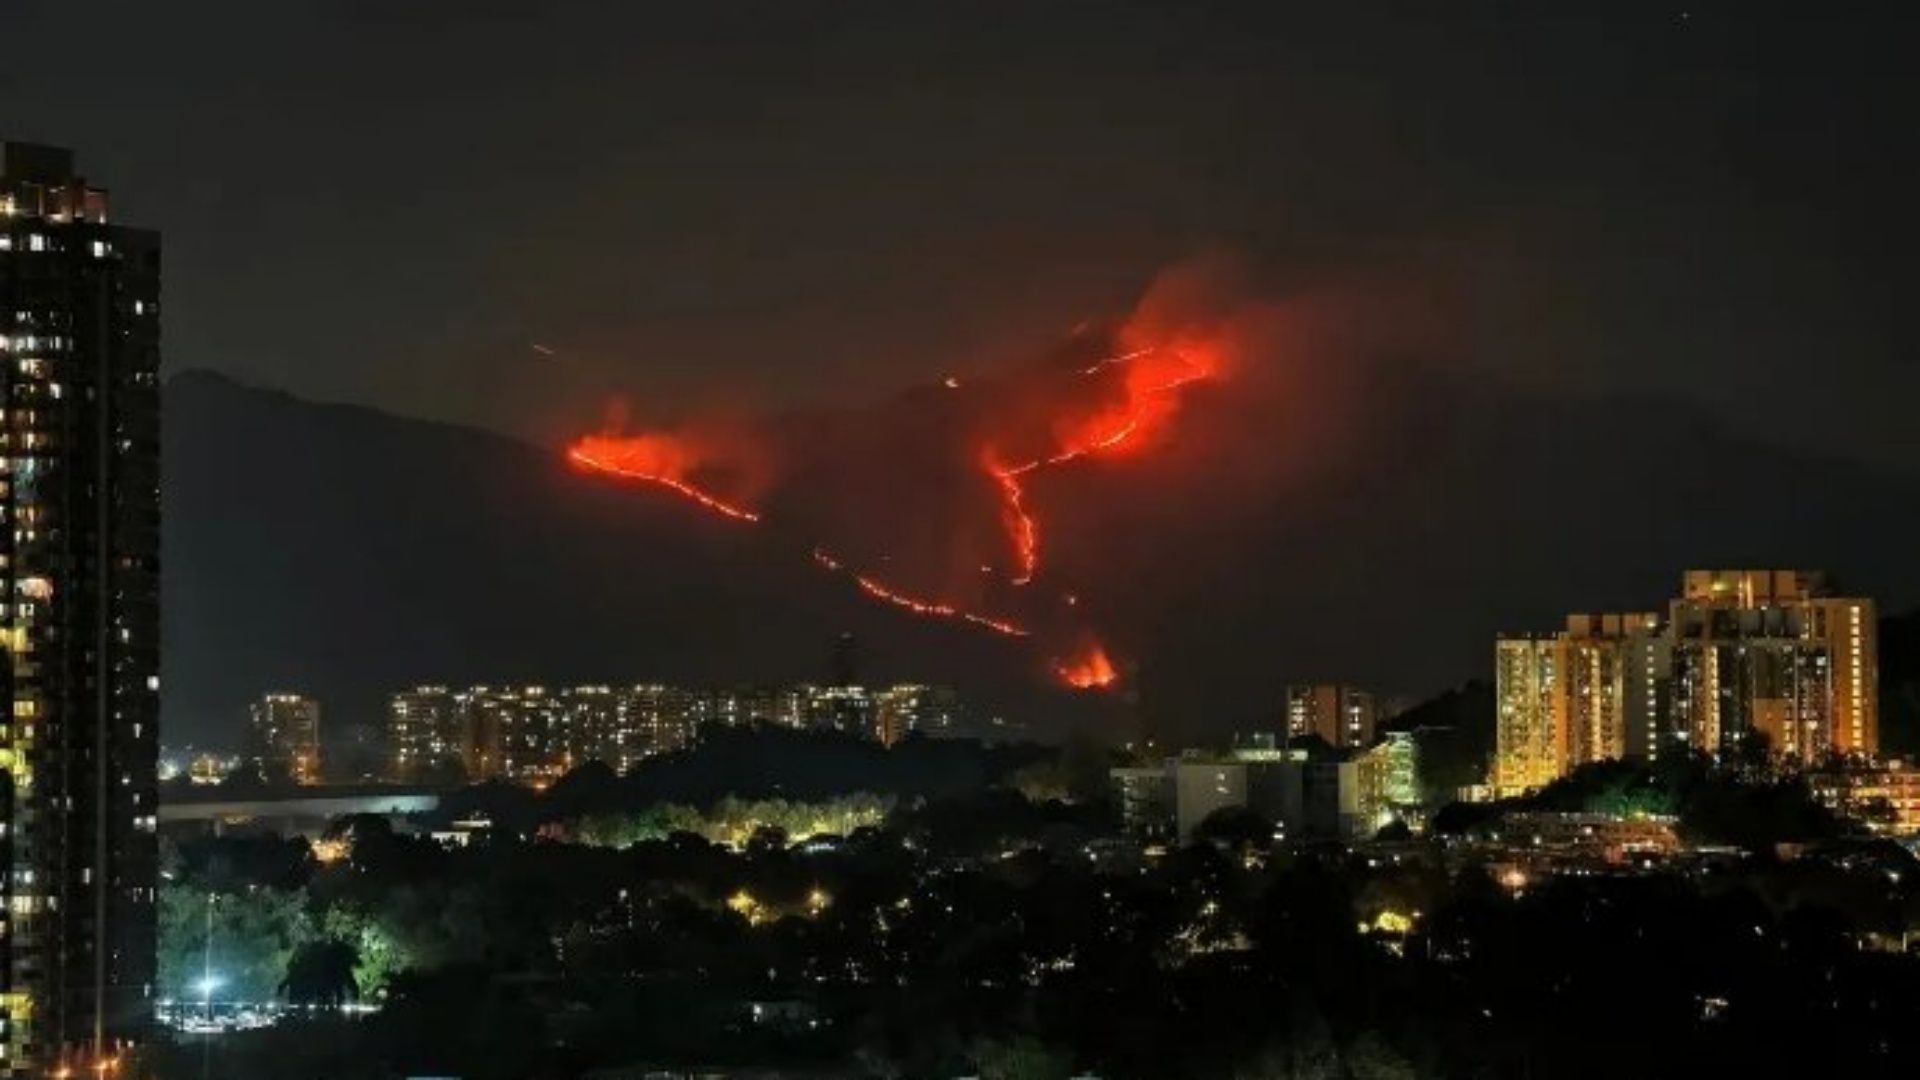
column 1740, row 653
column 1594, row 691
column 1885, row 798
column 1775, row 652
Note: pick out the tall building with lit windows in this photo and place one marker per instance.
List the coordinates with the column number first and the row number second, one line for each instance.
column 1593, row 691
column 285, row 737
column 424, row 733
column 1739, row 654
column 1531, row 741
column 1776, row 653
column 79, row 619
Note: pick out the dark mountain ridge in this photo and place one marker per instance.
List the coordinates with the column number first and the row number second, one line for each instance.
column 345, row 552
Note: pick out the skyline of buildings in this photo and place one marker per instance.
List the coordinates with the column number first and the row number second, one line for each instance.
column 79, row 618
column 535, row 734
column 1740, row 653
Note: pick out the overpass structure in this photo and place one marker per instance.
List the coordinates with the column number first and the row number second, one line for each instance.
column 297, row 812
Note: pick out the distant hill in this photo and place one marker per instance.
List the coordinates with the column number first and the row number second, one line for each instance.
column 344, row 552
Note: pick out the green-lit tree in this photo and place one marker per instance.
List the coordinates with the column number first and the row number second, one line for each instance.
column 243, row 939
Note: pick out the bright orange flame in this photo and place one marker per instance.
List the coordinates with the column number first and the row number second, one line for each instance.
column 1091, row 670
column 657, row 459
column 932, row 609
column 1149, row 396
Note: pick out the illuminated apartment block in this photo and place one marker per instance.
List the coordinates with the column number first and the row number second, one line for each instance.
column 1531, row 738
column 79, row 619
column 1774, row 652
column 908, row 708
column 1767, row 652
column 1885, row 798
column 1342, row 715
column 1591, row 692
column 285, row 737
column 1388, row 774
column 423, row 732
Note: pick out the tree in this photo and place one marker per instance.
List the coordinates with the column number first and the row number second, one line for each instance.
column 1022, row 1058
column 243, row 939
column 1370, row 1058
column 321, row 972
column 1235, row 827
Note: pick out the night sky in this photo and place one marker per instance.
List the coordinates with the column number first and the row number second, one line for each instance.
column 784, row 202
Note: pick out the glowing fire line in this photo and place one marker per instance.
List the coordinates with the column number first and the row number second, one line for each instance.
column 933, row 609
column 1026, row 534
column 1023, row 529
column 586, row 460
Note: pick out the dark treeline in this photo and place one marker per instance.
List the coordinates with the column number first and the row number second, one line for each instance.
column 1750, row 808
column 753, row 763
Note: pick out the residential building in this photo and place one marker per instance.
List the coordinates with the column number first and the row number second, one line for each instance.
column 1304, row 794
column 79, row 618
column 424, row 733
column 1387, row 777
column 1330, row 800
column 536, row 734
column 1143, row 798
column 1532, row 747
column 1344, row 716
column 653, row 719
column 1775, row 652
column 911, row 708
column 1741, row 653
column 846, row 708
column 1202, row 786
column 1885, row 798
column 1594, row 691
column 285, row 737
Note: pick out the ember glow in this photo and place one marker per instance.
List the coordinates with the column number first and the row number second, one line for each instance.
column 655, row 459
column 1091, row 670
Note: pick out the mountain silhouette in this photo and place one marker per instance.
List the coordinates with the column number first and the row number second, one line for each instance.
column 1382, row 536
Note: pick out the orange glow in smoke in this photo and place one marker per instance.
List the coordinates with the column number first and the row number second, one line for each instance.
column 932, row 609
column 1149, row 395
column 1091, row 670
column 1130, row 396
column 656, row 459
